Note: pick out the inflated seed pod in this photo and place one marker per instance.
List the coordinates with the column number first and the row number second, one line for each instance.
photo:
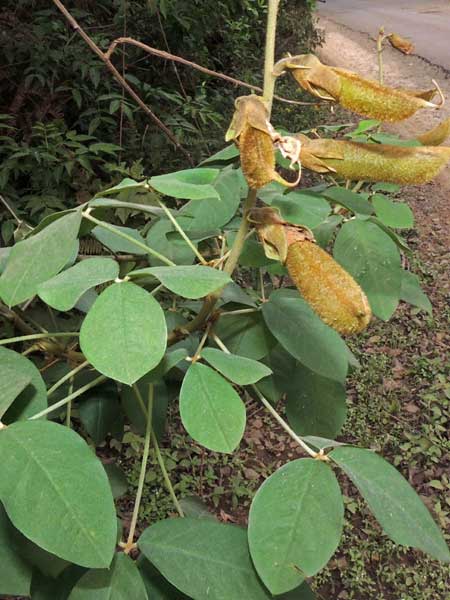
column 406, row 165
column 363, row 96
column 252, row 132
column 369, row 98
column 332, row 293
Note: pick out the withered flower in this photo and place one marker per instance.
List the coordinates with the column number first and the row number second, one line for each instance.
column 363, row 96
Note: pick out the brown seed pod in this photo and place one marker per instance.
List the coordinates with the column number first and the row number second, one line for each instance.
column 400, row 43
column 332, row 292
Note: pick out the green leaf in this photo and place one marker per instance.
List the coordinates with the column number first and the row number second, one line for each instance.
column 213, row 213
column 134, row 411
column 304, row 335
column 390, row 188
column 228, row 153
column 325, row 231
column 190, row 281
column 125, row 185
column 194, row 506
column 176, row 250
column 48, row 564
column 124, row 334
column 315, row 405
column 303, row 592
column 239, row 369
column 295, row 523
column 47, row 588
column 395, row 237
column 395, row 504
column 356, row 202
column 204, row 559
column 116, row 243
column 100, row 413
column 56, row 492
column 158, row 588
column 21, row 387
column 63, row 291
column 191, row 184
column 15, row 573
column 211, row 411
column 393, row 214
column 412, row 293
column 302, row 209
column 121, row 582
column 373, row 259
column 38, row 258
column 245, row 335
column 117, row 480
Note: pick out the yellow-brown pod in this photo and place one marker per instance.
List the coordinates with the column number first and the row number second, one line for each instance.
column 257, row 157
column 406, row 165
column 437, row 135
column 332, row 293
column 400, row 43
column 369, row 98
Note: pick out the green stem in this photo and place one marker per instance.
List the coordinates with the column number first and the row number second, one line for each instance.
column 124, row 236
column 159, row 457
column 137, row 502
column 283, row 423
column 177, row 226
column 380, row 39
column 67, row 376
column 271, row 409
column 269, row 56
column 69, row 398
column 167, row 481
column 38, row 336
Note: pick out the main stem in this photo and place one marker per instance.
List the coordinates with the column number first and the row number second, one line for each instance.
column 268, row 90
column 269, row 57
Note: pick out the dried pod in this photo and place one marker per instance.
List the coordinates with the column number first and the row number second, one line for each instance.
column 332, row 293
column 400, row 43
column 252, row 132
column 437, row 135
column 375, row 162
column 363, row 96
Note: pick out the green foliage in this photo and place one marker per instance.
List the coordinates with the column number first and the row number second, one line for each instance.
column 148, row 320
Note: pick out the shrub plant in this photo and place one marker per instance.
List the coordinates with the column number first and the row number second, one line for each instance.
column 162, row 307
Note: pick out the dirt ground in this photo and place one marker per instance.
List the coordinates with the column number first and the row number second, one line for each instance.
column 431, row 203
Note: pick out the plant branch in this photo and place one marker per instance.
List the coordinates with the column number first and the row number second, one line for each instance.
column 38, row 336
column 127, row 237
column 118, row 77
column 69, row 398
column 166, row 477
column 159, row 457
column 137, row 503
column 174, row 58
column 67, row 376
